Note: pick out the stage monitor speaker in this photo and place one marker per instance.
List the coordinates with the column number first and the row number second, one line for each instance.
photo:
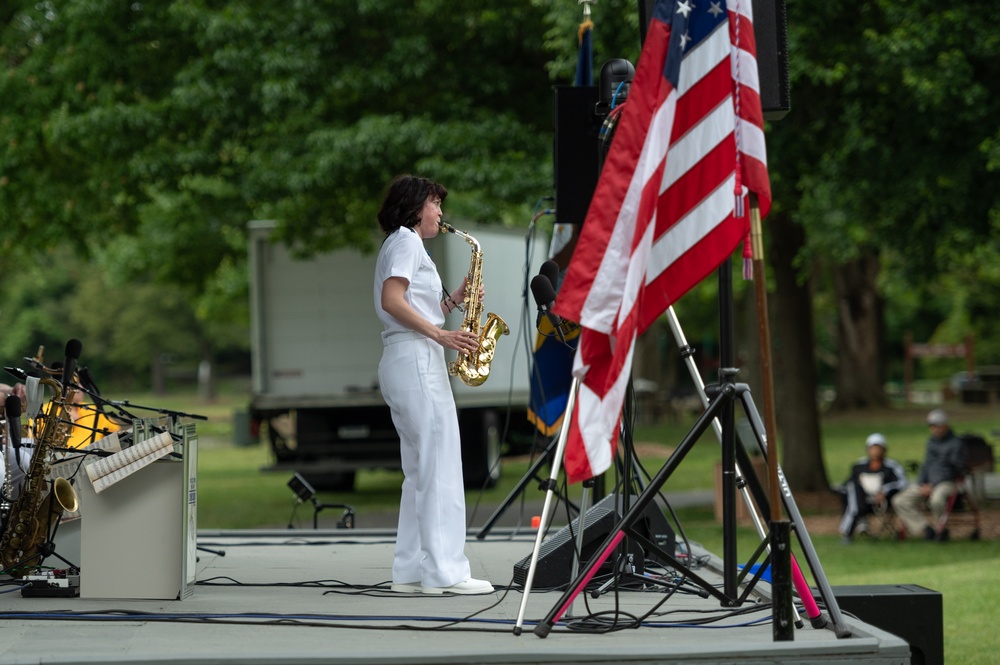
column 770, row 28
column 908, row 611
column 555, row 555
column 575, row 159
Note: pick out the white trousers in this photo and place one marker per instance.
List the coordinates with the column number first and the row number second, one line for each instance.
column 430, row 539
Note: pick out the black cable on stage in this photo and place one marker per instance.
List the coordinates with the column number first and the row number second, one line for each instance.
column 297, row 543
column 327, row 620
column 308, row 584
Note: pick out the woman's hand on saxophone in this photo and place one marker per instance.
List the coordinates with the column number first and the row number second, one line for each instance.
column 462, row 341
column 459, row 294
column 393, row 302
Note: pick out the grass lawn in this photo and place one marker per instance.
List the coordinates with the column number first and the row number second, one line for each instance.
column 234, row 493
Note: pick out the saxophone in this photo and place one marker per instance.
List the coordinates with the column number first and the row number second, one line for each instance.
column 24, row 542
column 473, row 369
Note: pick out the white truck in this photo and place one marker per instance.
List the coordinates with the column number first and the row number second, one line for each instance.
column 315, row 349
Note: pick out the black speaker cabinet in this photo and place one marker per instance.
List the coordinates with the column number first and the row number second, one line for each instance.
column 575, row 159
column 555, row 555
column 770, row 28
column 908, row 611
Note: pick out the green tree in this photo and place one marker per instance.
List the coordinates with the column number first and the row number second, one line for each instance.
column 883, row 162
column 148, row 134
column 132, row 332
column 895, row 105
column 180, row 120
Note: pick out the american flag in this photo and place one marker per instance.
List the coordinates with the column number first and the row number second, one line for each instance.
column 669, row 205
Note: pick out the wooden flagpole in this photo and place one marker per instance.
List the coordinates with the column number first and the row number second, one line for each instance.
column 766, row 374
column 781, row 545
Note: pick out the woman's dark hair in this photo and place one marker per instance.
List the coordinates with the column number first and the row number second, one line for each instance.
column 404, row 199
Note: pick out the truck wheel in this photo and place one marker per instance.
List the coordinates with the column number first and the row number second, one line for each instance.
column 480, row 433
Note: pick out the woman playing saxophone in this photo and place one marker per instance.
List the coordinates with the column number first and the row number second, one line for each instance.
column 413, row 376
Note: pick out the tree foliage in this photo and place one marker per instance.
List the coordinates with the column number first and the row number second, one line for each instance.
column 176, row 123
column 894, row 108
column 889, row 154
column 147, row 134
column 127, row 329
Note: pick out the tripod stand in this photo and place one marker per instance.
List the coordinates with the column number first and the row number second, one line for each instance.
column 723, row 396
column 625, row 568
column 812, row 610
column 532, row 473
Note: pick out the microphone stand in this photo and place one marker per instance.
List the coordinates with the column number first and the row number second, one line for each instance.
column 119, row 406
column 167, row 412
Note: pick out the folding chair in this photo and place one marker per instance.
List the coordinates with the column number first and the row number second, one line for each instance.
column 963, row 504
column 979, row 460
column 879, row 520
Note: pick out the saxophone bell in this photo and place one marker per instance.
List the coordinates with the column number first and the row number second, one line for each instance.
column 65, row 496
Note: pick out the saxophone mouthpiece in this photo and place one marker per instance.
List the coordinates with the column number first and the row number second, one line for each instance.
column 446, row 228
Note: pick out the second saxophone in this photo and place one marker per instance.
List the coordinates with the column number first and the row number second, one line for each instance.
column 473, row 369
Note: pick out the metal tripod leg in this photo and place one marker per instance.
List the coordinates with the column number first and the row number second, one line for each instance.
column 546, row 507
column 584, row 507
column 631, row 475
column 529, row 475
column 840, row 628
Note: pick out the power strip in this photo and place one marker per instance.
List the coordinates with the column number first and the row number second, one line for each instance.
column 54, row 584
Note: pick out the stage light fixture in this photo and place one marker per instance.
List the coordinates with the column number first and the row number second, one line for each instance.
column 301, row 488
column 304, row 492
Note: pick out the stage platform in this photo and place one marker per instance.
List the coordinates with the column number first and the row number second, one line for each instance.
column 304, row 596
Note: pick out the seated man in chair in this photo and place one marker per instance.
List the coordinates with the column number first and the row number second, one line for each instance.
column 874, row 482
column 943, row 464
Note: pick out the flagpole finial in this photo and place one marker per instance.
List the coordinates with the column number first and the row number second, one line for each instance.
column 586, row 7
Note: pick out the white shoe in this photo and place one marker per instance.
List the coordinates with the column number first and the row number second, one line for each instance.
column 469, row 587
column 413, row 587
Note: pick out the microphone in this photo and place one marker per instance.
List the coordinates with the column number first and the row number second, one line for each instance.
column 545, row 296
column 551, row 270
column 12, row 411
column 73, row 349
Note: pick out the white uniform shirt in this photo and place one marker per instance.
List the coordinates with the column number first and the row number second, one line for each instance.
column 403, row 255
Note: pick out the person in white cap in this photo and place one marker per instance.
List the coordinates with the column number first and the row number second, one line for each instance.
column 944, row 462
column 874, row 481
